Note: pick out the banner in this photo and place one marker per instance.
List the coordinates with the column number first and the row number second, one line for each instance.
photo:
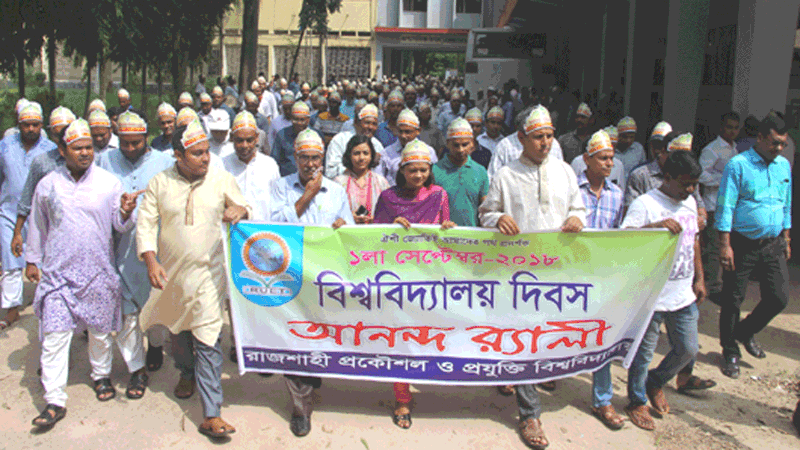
column 463, row 306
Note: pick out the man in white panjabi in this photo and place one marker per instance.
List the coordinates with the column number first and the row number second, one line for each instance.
column 180, row 222
column 535, row 192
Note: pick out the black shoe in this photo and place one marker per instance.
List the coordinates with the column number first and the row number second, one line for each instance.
column 155, row 358
column 300, row 425
column 731, row 367
column 753, row 348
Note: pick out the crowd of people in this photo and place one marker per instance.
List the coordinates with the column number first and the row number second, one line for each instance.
column 123, row 236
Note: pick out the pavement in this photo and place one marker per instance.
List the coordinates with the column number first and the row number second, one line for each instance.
column 750, row 413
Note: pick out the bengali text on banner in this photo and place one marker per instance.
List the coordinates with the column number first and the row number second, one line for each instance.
column 464, row 306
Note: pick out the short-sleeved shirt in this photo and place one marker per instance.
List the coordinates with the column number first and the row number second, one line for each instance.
column 655, row 206
column 465, row 187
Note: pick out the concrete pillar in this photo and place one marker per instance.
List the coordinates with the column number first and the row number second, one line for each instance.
column 683, row 64
column 641, row 95
column 764, row 46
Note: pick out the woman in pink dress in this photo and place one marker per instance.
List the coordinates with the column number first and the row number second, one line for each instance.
column 414, row 200
column 363, row 186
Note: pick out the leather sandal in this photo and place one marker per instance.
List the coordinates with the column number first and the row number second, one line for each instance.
column 608, row 415
column 532, row 434
column 215, row 427
column 102, row 387
column 658, row 400
column 640, row 416
column 137, row 385
column 49, row 416
column 184, row 389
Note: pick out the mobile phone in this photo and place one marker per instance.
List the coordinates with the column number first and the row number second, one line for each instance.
column 362, row 211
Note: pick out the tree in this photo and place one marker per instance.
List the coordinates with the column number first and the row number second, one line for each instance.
column 248, row 63
column 20, row 37
column 314, row 16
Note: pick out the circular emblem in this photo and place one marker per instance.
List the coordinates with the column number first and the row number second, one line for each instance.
column 266, row 254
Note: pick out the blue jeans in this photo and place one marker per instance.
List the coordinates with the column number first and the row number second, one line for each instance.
column 602, row 390
column 682, row 335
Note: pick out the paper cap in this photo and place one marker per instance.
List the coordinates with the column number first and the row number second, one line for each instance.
column 61, row 116
column 205, row 98
column 474, row 115
column 32, row 112
column 626, row 125
column 415, row 151
column 612, row 133
column 193, row 135
column 77, row 130
column 130, row 123
column 407, row 117
column 599, row 141
column 99, row 119
column 538, row 119
column 217, row 91
column 308, row 141
column 185, row 97
column 495, row 112
column 682, row 142
column 660, row 131
column 300, row 109
column 395, row 97
column 255, row 85
column 165, row 110
column 185, row 116
column 96, row 104
column 368, row 111
column 459, row 128
column 584, row 110
column 123, row 93
column 244, row 120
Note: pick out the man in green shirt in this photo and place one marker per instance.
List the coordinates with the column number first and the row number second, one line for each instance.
column 464, row 180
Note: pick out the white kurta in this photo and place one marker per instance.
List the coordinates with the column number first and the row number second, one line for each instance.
column 537, row 197
column 255, row 180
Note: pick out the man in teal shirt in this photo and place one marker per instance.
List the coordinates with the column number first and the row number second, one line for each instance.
column 753, row 218
column 464, row 180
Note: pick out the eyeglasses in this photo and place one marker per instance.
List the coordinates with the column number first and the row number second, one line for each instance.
column 303, row 158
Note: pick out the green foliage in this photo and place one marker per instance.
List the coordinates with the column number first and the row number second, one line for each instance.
column 314, row 14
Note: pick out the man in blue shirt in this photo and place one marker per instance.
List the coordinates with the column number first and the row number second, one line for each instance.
column 17, row 152
column 308, row 197
column 134, row 164
column 753, row 218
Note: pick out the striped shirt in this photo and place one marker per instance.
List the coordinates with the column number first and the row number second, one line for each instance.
column 604, row 212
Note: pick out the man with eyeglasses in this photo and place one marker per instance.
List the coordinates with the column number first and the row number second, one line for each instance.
column 308, row 197
column 753, row 218
column 283, row 150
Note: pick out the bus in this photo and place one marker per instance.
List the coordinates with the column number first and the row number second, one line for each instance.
column 496, row 55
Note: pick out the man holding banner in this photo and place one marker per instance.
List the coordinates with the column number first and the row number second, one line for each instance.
column 532, row 193
column 180, row 223
column 308, row 197
column 670, row 206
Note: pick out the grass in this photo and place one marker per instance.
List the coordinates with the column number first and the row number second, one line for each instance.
column 74, row 99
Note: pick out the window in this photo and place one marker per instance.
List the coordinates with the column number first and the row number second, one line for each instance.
column 415, row 5
column 468, row 6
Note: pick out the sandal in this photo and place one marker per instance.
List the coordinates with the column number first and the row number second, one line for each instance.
column 402, row 419
column 658, row 400
column 506, row 391
column 184, row 389
column 609, row 417
column 216, row 428
column 102, row 387
column 154, row 358
column 640, row 416
column 695, row 383
column 137, row 385
column 4, row 324
column 532, row 434
column 50, row 415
